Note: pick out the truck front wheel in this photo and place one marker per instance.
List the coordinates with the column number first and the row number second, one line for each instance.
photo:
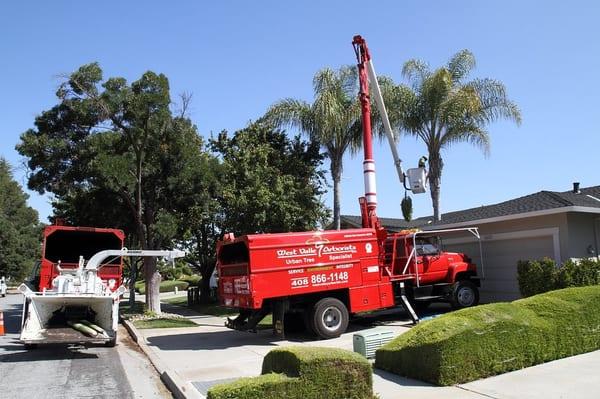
column 330, row 318
column 464, row 294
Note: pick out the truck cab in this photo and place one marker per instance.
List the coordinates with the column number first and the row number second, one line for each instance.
column 429, row 273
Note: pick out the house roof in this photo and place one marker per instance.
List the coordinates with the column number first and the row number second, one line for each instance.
column 541, row 201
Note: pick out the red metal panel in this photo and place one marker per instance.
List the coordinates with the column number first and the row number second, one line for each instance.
column 386, row 295
column 48, row 269
column 365, row 298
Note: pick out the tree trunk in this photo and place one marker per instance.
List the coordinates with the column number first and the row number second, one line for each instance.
column 435, row 181
column 205, row 284
column 152, row 277
column 206, row 269
column 336, row 174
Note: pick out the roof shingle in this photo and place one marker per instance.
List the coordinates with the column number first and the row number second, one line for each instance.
column 543, row 200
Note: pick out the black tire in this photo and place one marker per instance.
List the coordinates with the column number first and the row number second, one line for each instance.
column 330, row 318
column 464, row 294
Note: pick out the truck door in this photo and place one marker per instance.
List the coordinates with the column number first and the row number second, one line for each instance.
column 432, row 264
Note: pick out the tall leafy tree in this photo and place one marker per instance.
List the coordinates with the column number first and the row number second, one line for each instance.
column 202, row 217
column 20, row 230
column 442, row 108
column 270, row 183
column 333, row 120
column 123, row 141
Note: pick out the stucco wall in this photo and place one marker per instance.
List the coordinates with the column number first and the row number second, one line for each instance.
column 582, row 234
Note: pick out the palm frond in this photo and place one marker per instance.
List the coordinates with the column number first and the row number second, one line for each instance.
column 463, row 104
column 432, row 94
column 293, row 113
column 467, row 132
column 415, row 71
column 461, row 64
column 495, row 104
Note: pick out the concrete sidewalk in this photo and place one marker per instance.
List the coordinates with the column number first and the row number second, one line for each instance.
column 210, row 353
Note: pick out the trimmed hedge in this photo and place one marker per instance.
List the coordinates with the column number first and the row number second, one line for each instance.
column 192, row 280
column 165, row 286
column 299, row 372
column 537, row 276
column 492, row 339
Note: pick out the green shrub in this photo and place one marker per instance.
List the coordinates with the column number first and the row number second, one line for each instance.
column 304, row 373
column 140, row 286
column 578, row 274
column 165, row 286
column 486, row 340
column 536, row 276
column 192, row 280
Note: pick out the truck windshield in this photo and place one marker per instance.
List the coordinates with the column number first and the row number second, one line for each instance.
column 427, row 246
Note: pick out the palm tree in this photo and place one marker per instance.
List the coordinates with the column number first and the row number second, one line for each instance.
column 333, row 120
column 442, row 108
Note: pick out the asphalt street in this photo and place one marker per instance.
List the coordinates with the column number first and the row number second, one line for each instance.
column 61, row 371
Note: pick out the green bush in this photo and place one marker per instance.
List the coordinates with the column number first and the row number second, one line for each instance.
column 168, row 272
column 578, row 274
column 192, row 280
column 486, row 340
column 165, row 286
column 537, row 276
column 299, row 372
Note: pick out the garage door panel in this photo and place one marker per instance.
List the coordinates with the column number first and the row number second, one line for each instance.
column 500, row 263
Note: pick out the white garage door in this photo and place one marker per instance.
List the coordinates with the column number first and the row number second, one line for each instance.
column 500, row 263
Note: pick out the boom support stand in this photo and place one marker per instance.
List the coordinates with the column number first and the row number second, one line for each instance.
column 407, row 306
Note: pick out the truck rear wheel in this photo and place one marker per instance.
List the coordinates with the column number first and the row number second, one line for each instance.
column 330, row 318
column 464, row 294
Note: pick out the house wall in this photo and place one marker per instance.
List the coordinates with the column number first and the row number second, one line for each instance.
column 583, row 233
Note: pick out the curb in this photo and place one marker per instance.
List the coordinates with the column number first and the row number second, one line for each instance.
column 173, row 381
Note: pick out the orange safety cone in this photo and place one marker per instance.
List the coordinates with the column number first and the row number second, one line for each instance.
column 1, row 323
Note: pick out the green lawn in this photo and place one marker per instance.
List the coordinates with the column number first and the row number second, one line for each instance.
column 164, row 323
column 127, row 311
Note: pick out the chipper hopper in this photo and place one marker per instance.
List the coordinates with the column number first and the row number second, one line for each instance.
column 80, row 307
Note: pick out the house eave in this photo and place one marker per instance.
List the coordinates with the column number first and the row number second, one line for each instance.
column 553, row 211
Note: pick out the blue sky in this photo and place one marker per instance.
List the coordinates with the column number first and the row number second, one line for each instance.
column 238, row 57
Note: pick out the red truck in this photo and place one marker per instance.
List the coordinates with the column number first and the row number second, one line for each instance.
column 327, row 276
column 63, row 245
